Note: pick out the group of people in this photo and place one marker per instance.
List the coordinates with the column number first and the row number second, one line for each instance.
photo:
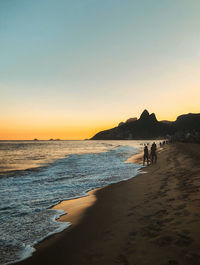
column 163, row 143
column 153, row 154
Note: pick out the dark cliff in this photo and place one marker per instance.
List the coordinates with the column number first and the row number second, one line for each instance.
column 148, row 127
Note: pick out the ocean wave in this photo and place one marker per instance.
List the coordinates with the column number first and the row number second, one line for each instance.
column 32, row 192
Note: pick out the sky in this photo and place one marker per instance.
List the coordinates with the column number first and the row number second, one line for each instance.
column 70, row 68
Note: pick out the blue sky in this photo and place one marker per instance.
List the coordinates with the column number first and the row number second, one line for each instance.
column 97, row 62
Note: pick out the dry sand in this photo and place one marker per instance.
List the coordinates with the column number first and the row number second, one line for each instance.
column 151, row 219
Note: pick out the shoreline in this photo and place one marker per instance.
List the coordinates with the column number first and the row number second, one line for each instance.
column 74, row 208
column 152, row 218
column 73, row 211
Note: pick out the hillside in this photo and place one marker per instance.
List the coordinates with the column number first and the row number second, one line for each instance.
column 148, row 127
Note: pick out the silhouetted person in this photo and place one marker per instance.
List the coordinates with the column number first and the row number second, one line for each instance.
column 146, row 155
column 153, row 153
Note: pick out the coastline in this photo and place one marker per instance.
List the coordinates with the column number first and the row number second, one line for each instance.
column 75, row 208
column 73, row 211
column 152, row 218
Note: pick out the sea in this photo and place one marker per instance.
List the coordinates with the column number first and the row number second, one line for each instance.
column 35, row 175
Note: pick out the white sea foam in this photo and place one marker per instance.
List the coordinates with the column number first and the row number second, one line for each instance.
column 27, row 195
column 28, row 250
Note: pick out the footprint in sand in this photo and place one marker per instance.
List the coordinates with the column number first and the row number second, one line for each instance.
column 123, row 259
column 130, row 214
column 172, row 262
column 164, row 241
column 149, row 232
column 168, row 220
column 171, row 199
column 183, row 213
column 183, row 240
column 161, row 213
column 193, row 259
column 180, row 207
column 132, row 234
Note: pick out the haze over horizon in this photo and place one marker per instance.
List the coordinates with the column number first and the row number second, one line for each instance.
column 69, row 69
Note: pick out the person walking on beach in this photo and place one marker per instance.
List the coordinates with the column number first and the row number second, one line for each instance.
column 146, row 155
column 153, row 154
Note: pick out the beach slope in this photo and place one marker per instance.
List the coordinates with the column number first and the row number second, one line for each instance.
column 152, row 219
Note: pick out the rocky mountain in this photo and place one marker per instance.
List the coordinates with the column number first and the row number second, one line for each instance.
column 189, row 122
column 127, row 121
column 148, row 127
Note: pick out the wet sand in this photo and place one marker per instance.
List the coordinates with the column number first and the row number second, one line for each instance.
column 151, row 219
column 76, row 208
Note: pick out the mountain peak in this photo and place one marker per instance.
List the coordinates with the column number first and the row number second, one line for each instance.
column 153, row 117
column 147, row 127
column 144, row 115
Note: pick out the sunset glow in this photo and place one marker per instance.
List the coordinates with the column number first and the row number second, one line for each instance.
column 69, row 69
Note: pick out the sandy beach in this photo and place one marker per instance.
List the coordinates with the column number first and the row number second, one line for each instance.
column 152, row 219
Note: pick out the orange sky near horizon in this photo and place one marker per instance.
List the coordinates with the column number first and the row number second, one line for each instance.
column 70, row 69
column 26, row 131
column 79, row 133
column 29, row 130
